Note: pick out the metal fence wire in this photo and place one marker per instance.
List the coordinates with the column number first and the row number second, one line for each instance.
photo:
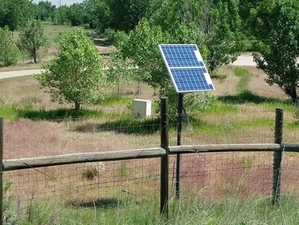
column 211, row 175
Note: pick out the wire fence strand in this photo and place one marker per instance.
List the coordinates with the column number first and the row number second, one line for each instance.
column 211, row 175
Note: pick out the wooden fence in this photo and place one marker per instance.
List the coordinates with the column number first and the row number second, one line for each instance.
column 277, row 147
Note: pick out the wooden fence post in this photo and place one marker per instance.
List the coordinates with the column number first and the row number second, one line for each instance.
column 164, row 158
column 277, row 156
column 1, row 170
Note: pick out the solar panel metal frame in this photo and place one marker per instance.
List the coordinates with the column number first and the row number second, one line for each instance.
column 186, row 68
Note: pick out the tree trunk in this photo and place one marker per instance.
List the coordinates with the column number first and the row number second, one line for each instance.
column 292, row 92
column 34, row 55
column 77, row 106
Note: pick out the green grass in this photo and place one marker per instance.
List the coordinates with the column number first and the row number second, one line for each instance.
column 126, row 124
column 251, row 210
column 52, row 31
column 244, row 78
column 241, row 72
column 220, row 107
column 114, row 100
column 9, row 113
column 220, row 77
column 258, row 122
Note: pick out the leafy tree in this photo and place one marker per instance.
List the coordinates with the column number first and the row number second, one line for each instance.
column 97, row 14
column 223, row 37
column 46, row 11
column 121, row 70
column 275, row 24
column 32, row 38
column 15, row 13
column 125, row 14
column 115, row 14
column 244, row 10
column 146, row 56
column 9, row 51
column 76, row 14
column 60, row 17
column 76, row 75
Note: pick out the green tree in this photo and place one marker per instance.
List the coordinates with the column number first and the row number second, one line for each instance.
column 121, row 15
column 60, row 17
column 97, row 14
column 223, row 37
column 15, row 13
column 46, row 11
column 76, row 14
column 121, row 70
column 32, row 38
column 76, row 75
column 275, row 24
column 244, row 11
column 146, row 55
column 9, row 51
column 125, row 14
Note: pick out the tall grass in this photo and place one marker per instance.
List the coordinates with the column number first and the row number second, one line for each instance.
column 252, row 210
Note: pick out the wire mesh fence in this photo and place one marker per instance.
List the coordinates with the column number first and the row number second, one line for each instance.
column 212, row 175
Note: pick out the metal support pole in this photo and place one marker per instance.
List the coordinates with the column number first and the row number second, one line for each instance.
column 277, row 156
column 179, row 137
column 1, row 170
column 164, row 159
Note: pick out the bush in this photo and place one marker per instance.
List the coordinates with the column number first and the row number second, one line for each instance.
column 9, row 51
column 10, row 215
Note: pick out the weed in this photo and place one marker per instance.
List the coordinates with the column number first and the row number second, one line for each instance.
column 28, row 102
column 248, row 162
column 242, row 85
column 123, row 170
column 220, row 77
column 241, row 72
column 92, row 170
column 10, row 215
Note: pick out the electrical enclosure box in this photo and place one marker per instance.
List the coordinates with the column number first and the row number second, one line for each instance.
column 142, row 108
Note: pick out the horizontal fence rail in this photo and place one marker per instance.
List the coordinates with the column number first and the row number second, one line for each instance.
column 26, row 163
column 223, row 148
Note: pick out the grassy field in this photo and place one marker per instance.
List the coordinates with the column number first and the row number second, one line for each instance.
column 52, row 32
column 242, row 110
column 239, row 114
column 253, row 211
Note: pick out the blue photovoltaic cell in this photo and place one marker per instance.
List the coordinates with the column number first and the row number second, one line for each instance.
column 186, row 67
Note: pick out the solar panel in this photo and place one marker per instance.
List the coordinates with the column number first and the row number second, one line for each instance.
column 186, row 67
